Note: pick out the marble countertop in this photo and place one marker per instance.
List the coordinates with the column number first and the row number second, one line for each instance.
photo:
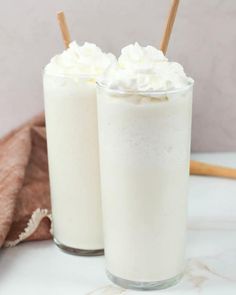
column 41, row 268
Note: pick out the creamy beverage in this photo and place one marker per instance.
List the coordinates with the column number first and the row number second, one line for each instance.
column 144, row 116
column 71, row 123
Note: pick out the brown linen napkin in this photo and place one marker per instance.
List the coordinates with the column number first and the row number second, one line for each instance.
column 24, row 185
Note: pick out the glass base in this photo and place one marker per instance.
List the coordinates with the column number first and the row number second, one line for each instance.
column 127, row 284
column 80, row 252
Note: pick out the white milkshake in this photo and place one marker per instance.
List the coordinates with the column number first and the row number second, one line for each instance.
column 71, row 123
column 144, row 115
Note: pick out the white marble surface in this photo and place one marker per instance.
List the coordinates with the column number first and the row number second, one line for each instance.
column 40, row 268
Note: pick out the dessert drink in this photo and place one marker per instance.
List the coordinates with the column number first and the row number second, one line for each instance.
column 144, row 116
column 71, row 125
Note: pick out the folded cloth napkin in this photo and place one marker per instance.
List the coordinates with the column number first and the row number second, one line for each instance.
column 24, row 185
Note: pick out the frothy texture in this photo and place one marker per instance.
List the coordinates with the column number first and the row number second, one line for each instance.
column 144, row 69
column 80, row 60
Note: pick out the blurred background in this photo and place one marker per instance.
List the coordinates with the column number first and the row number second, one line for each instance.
column 203, row 40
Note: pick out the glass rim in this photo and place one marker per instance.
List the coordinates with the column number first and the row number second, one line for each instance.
column 145, row 92
column 66, row 75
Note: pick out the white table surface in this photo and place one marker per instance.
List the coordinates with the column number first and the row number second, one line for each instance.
column 41, row 268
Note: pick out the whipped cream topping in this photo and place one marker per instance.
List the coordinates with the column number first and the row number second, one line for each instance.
column 80, row 60
column 144, row 69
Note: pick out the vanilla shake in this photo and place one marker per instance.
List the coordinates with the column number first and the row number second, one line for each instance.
column 71, row 125
column 144, row 116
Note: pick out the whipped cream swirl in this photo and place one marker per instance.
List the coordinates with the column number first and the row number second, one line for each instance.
column 144, row 69
column 80, row 60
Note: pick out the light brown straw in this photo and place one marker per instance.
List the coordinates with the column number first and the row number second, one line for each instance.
column 169, row 25
column 199, row 168
column 64, row 28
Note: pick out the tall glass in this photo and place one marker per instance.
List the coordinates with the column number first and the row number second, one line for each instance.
column 144, row 142
column 71, row 125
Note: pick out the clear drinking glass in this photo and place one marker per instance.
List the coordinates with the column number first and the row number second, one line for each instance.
column 144, row 143
column 71, row 125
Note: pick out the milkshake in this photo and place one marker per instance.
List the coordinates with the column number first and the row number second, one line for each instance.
column 144, row 116
column 71, row 125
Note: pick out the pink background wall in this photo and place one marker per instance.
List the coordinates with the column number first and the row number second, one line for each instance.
column 204, row 41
